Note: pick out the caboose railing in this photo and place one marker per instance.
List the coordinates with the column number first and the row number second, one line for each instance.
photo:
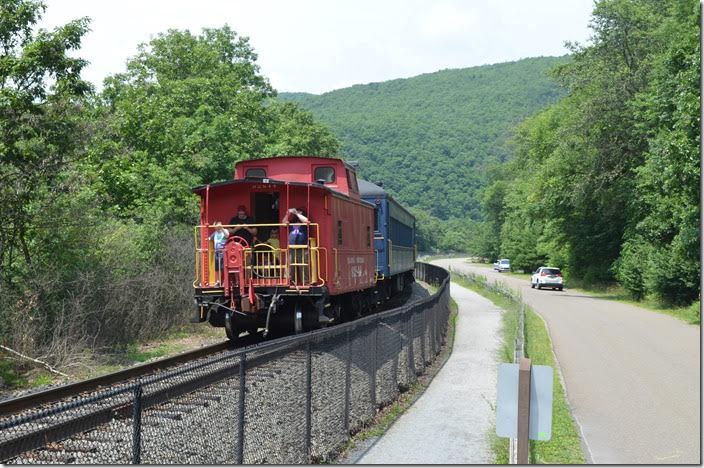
column 263, row 264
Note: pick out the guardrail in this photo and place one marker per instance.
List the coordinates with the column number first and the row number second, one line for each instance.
column 294, row 400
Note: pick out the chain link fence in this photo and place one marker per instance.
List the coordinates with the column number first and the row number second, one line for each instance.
column 294, row 400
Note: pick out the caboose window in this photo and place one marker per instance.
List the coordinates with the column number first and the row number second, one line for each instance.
column 257, row 172
column 352, row 181
column 339, row 232
column 324, row 173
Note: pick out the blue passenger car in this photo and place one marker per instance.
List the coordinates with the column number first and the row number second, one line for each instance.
column 394, row 235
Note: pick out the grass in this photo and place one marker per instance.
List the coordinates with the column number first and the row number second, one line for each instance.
column 615, row 292
column 10, row 378
column 136, row 354
column 388, row 415
column 20, row 376
column 565, row 446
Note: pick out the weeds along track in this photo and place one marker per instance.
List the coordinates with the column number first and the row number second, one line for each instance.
column 299, row 397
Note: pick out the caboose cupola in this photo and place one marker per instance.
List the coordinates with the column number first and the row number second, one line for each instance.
column 331, row 172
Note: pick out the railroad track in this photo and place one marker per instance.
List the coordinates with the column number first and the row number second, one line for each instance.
column 74, row 423
column 34, row 400
column 58, row 419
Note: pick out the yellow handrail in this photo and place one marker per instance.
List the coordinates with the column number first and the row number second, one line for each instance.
column 211, row 261
column 263, row 264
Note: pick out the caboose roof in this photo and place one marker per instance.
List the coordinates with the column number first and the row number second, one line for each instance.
column 368, row 189
column 201, row 188
column 297, row 159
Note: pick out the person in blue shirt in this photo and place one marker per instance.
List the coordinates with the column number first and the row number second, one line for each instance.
column 219, row 237
column 297, row 245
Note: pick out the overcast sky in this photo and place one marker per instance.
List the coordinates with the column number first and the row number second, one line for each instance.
column 321, row 45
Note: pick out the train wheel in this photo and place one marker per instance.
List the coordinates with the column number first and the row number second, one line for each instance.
column 298, row 318
column 231, row 329
column 337, row 313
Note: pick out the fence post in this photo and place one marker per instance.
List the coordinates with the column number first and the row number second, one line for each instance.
column 411, row 337
column 137, row 425
column 240, row 413
column 397, row 351
column 433, row 328
column 423, row 354
column 309, row 398
column 348, row 382
column 518, row 356
column 372, row 389
column 524, row 368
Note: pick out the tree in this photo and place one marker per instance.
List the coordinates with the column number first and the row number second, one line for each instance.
column 185, row 111
column 606, row 181
column 293, row 131
column 662, row 251
column 41, row 94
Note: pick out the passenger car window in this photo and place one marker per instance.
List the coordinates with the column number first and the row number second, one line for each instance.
column 324, row 173
column 256, row 172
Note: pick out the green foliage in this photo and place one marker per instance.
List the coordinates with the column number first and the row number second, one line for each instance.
column 431, row 138
column 185, row 111
column 134, row 354
column 629, row 268
column 9, row 376
column 605, row 183
column 565, row 446
column 40, row 97
column 294, row 131
column 96, row 241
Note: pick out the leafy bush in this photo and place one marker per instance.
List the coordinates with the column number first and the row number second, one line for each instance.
column 630, row 268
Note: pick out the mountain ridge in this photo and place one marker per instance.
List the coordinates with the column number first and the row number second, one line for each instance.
column 439, row 129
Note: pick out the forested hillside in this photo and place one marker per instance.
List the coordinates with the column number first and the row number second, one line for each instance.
column 606, row 182
column 430, row 138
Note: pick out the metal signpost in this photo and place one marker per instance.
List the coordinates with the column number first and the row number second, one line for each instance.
column 524, row 404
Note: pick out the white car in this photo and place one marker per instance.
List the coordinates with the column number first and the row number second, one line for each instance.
column 502, row 265
column 547, row 277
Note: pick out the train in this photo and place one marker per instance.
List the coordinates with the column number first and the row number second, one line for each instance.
column 296, row 243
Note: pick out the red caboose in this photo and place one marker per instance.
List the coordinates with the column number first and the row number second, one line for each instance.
column 320, row 270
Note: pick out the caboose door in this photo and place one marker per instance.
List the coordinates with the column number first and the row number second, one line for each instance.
column 266, row 210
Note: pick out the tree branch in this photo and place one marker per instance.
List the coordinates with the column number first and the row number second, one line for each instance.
column 47, row 366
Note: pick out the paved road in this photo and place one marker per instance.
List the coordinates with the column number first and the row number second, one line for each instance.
column 632, row 375
column 451, row 421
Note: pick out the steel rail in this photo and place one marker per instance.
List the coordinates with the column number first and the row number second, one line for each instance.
column 32, row 400
column 256, row 351
column 35, row 438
